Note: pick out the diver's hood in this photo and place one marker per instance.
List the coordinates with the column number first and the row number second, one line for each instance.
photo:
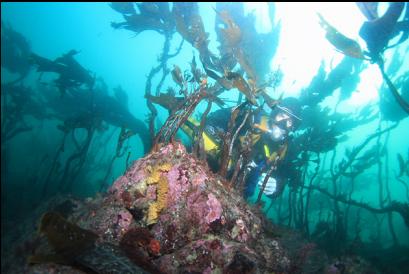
column 289, row 107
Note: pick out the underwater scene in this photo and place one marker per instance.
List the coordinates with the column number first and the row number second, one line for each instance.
column 176, row 137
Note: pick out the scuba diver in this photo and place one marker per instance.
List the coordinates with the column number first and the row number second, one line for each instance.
column 270, row 135
column 275, row 134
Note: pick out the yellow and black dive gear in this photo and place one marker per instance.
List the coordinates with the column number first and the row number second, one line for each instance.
column 210, row 142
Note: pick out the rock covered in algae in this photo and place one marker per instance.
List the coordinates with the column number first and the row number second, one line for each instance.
column 199, row 223
column 169, row 214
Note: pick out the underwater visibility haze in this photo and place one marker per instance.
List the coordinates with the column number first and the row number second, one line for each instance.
column 176, row 137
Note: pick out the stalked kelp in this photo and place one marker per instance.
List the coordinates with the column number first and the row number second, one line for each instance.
column 388, row 106
column 257, row 48
column 15, row 52
column 71, row 73
column 377, row 33
column 345, row 76
column 20, row 102
column 342, row 43
column 147, row 16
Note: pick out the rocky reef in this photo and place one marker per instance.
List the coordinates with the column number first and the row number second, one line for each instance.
column 199, row 224
column 167, row 214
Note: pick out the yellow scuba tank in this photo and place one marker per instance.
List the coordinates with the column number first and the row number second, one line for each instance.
column 211, row 146
column 189, row 128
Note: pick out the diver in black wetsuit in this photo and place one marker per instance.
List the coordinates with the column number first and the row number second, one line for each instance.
column 270, row 136
column 272, row 148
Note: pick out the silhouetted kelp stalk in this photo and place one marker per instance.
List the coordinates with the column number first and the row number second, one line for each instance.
column 307, row 199
column 123, row 136
column 393, row 206
column 401, row 208
column 15, row 52
column 348, row 208
column 157, row 17
column 334, row 179
column 344, row 166
column 70, row 170
column 402, row 103
column 18, row 101
column 242, row 166
column 54, row 164
column 271, row 168
column 163, row 68
column 405, row 185
column 98, row 159
column 229, row 138
column 380, row 151
column 70, row 173
column 298, row 201
column 175, row 121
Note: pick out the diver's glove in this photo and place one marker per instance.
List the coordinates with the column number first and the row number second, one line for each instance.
column 254, row 172
column 251, row 165
column 271, row 185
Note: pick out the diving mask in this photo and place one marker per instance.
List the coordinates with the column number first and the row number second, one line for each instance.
column 277, row 133
column 280, row 126
column 283, row 120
